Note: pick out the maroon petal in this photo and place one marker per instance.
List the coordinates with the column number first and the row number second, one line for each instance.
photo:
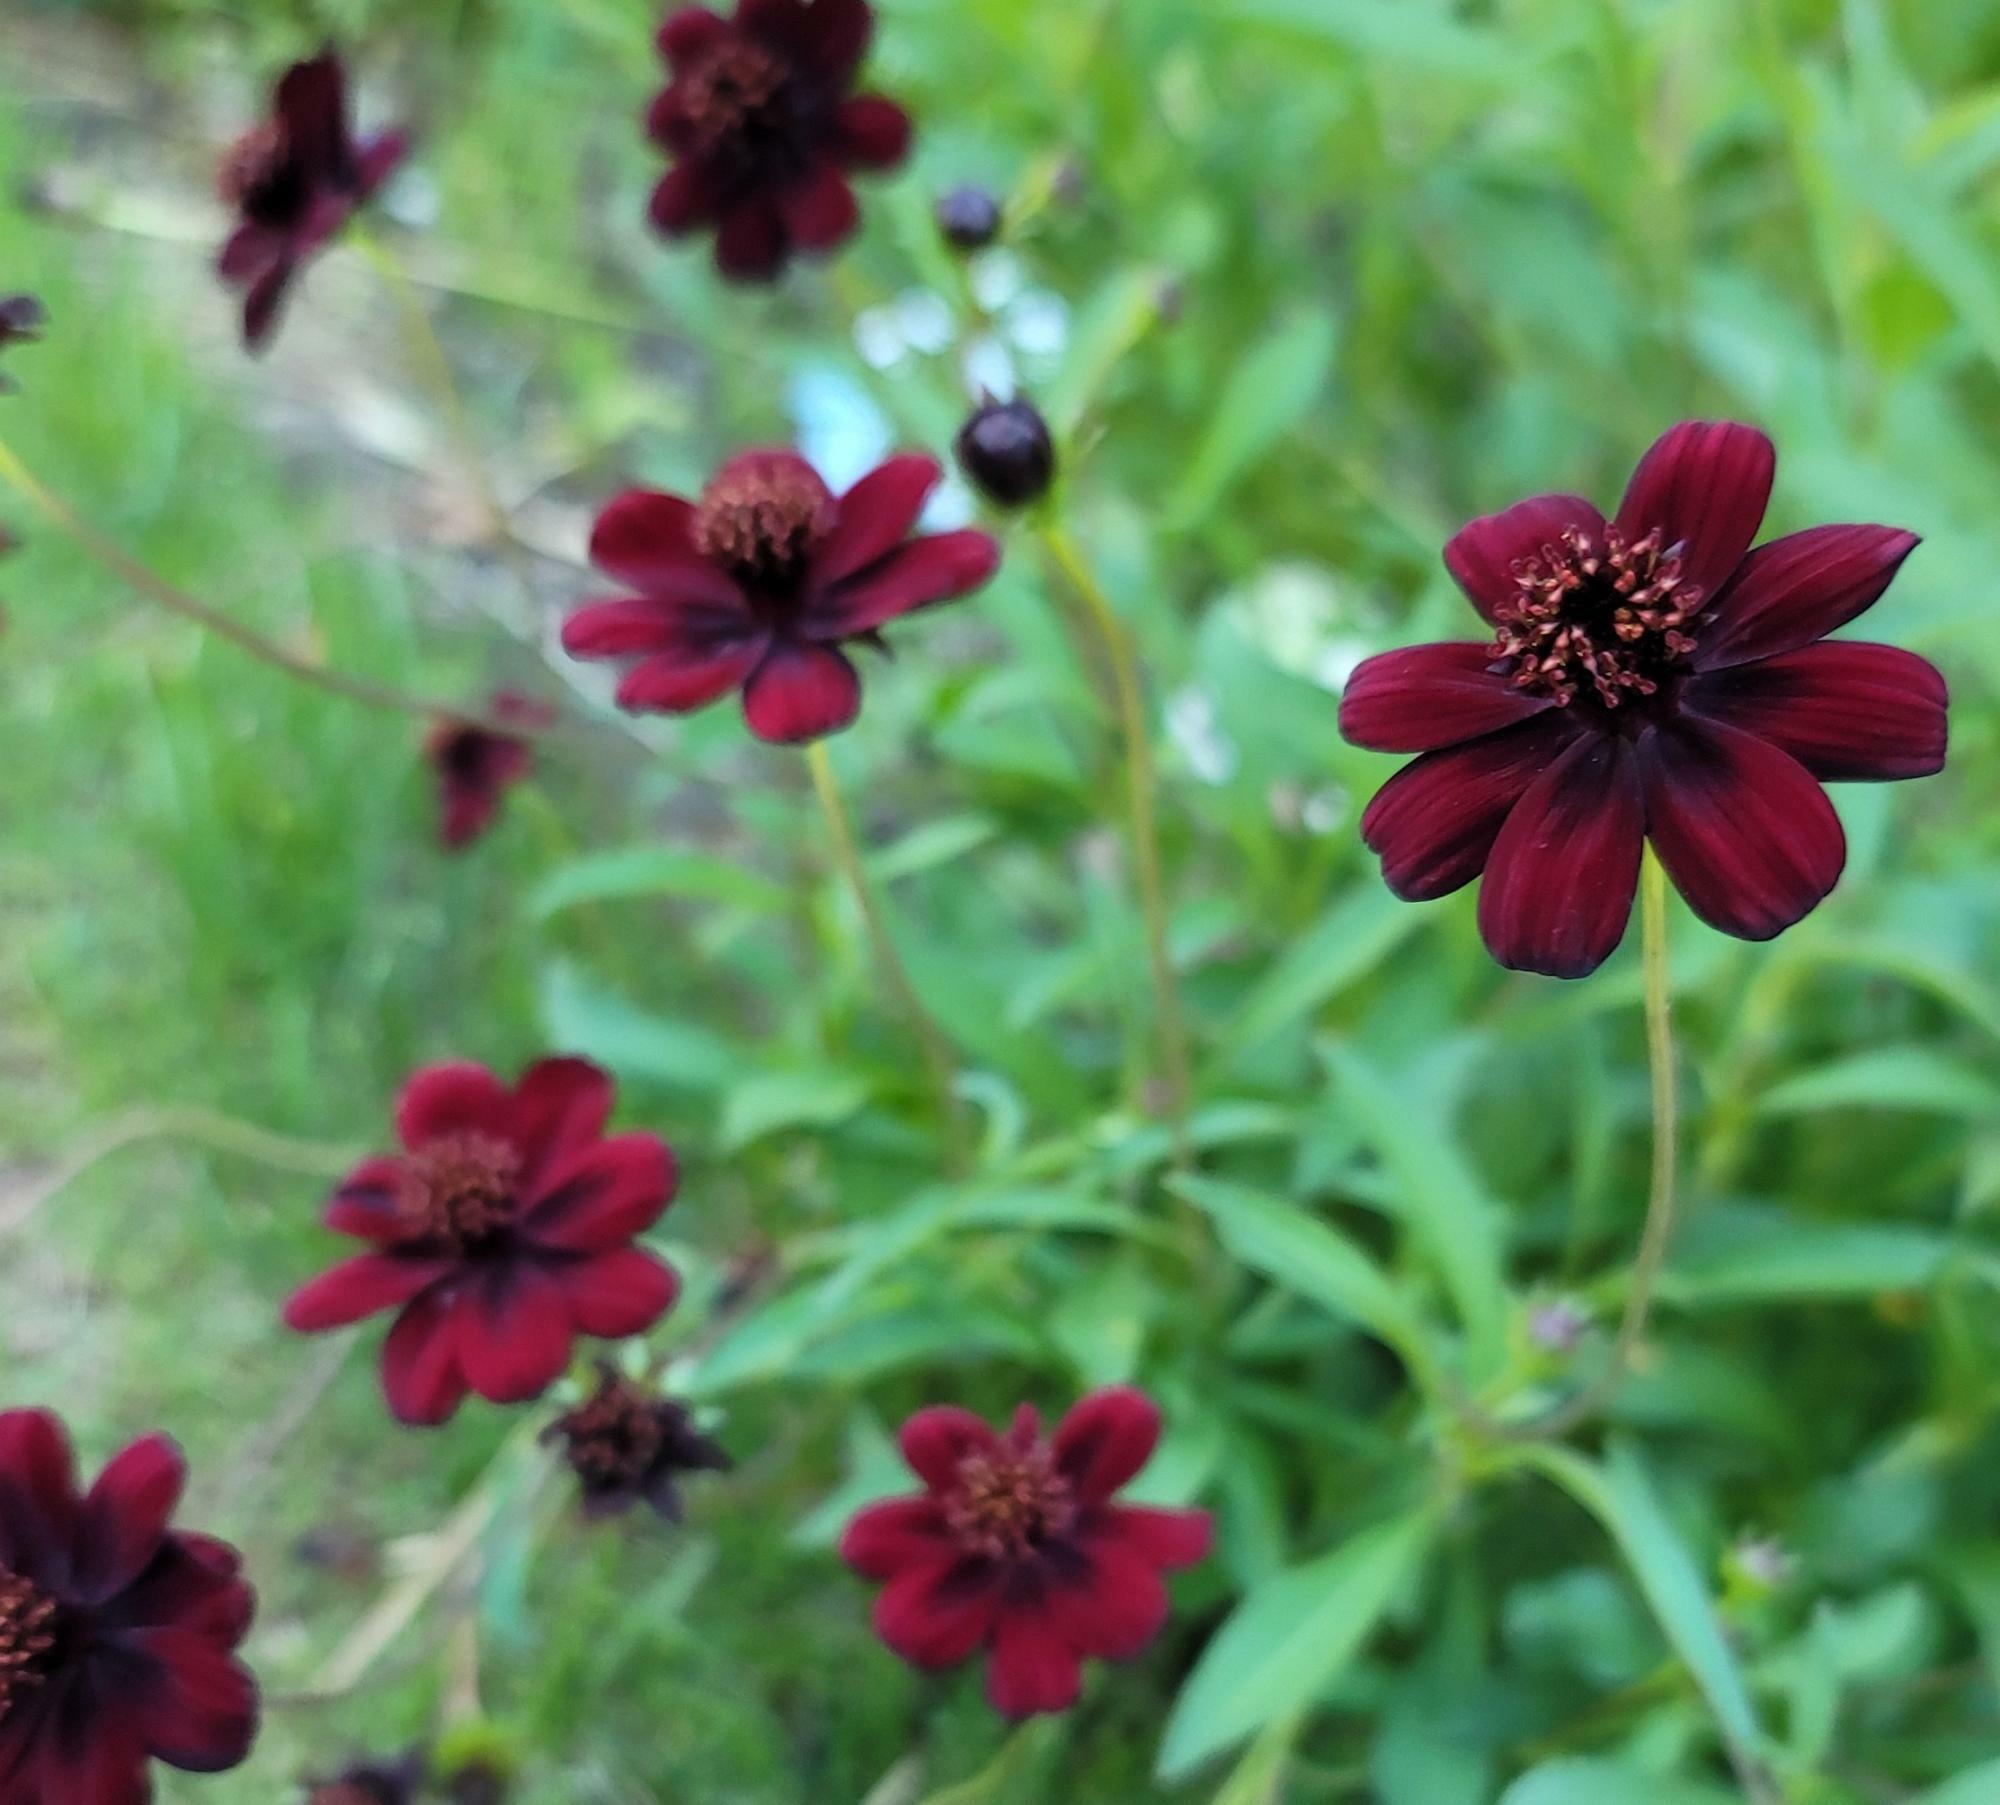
column 602, row 1196
column 821, row 211
column 939, row 568
column 1743, row 829
column 196, row 1708
column 1167, row 1538
column 514, row 1333
column 875, row 516
column 1112, row 1605
column 751, row 245
column 1105, row 1440
column 1704, row 486
column 937, row 1613
column 801, row 692
column 458, row 1097
column 561, row 1106
column 690, row 32
column 249, row 251
column 1798, row 589
column 690, row 676
column 620, row 1292
column 264, row 301
column 421, row 1374
column 358, row 1288
column 833, row 34
column 646, row 539
column 365, row 1204
column 1424, row 697
column 194, row 1585
column 621, row 627
column 379, row 159
column 683, row 199
column 124, row 1519
column 311, row 106
column 938, row 1438
column 1848, row 711
column 88, row 1753
column 881, row 1539
column 1434, row 823
column 1033, row 1668
column 1483, row 555
column 38, row 1501
column 1560, row 881
column 874, row 132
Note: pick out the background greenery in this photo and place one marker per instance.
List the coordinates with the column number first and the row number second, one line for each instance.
column 1306, row 283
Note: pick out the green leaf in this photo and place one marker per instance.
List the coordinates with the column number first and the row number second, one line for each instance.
column 1762, row 1256
column 635, row 871
column 1587, row 1782
column 1348, row 942
column 1287, row 1640
column 1975, row 1786
column 1416, row 32
column 582, row 1018
column 931, row 844
column 1901, row 1077
column 1270, row 392
column 813, row 1098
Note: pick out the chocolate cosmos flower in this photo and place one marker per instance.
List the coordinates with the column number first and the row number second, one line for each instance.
column 762, row 125
column 1016, row 1546
column 475, row 767
column 1649, row 677
column 117, row 1634
column 295, row 181
column 500, row 1233
column 755, row 586
column 626, row 1445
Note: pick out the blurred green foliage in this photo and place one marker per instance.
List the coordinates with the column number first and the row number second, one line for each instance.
column 1305, row 283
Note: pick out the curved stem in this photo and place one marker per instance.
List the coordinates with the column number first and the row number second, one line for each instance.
column 155, row 588
column 1142, row 802
column 937, row 1055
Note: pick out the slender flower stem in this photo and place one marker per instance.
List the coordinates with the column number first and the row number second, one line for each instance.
column 1142, row 802
column 155, row 588
column 938, row 1060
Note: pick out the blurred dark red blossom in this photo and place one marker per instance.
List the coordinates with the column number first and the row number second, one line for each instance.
column 500, row 1233
column 21, row 321
column 475, row 767
column 1649, row 677
column 625, row 1445
column 757, row 584
column 117, row 1633
column 763, row 126
column 1016, row 1546
column 295, row 181
column 371, row 1783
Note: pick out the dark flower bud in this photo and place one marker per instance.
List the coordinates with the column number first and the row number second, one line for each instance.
column 1006, row 451
column 371, row 1783
column 21, row 321
column 628, row 1446
column 969, row 217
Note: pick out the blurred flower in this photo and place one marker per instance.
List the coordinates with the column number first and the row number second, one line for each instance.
column 1015, row 1546
column 1558, row 1325
column 1006, row 452
column 117, row 1634
column 21, row 321
column 625, row 1444
column 757, row 584
column 295, row 181
column 371, row 1783
column 762, row 125
column 501, row 1232
column 969, row 217
column 1649, row 676
column 475, row 766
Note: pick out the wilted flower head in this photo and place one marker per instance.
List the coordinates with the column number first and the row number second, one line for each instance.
column 626, row 1444
column 763, row 126
column 756, row 585
column 501, row 1232
column 371, row 1783
column 1006, row 450
column 117, row 1633
column 295, row 181
column 1649, row 677
column 1016, row 1546
column 475, row 766
column 21, row 321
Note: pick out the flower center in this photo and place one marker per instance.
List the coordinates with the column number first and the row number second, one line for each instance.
column 27, row 1637
column 615, row 1435
column 342, row 1792
column 459, row 1190
column 1609, row 617
column 735, row 94
column 1008, row 1503
column 763, row 522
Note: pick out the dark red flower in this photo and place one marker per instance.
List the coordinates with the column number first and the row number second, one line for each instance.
column 1649, row 677
column 21, row 321
column 1016, row 1546
column 117, row 1633
column 626, row 1444
column 756, row 585
column 295, row 181
column 475, row 766
column 371, row 1783
column 763, row 126
column 500, row 1233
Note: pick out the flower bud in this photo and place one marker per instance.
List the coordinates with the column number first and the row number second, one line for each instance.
column 1007, row 453
column 969, row 217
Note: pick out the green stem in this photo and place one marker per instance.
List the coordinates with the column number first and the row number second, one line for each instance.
column 1142, row 803
column 937, row 1055
column 155, row 588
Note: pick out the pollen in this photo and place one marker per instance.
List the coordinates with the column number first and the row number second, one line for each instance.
column 459, row 1191
column 27, row 1636
column 1008, row 1503
column 762, row 519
